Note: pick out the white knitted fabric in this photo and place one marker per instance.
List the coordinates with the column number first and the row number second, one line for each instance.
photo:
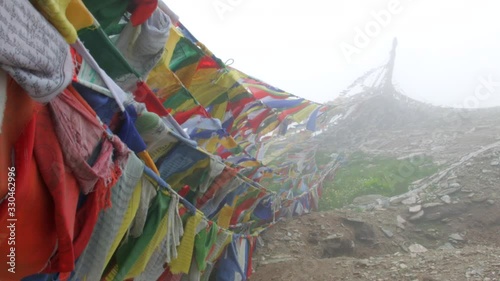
column 142, row 46
column 33, row 52
column 91, row 263
column 148, row 192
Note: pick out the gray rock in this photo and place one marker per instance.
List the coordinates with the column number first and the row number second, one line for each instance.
column 433, row 216
column 277, row 259
column 446, row 199
column 415, row 209
column 410, row 200
column 454, row 185
column 417, row 249
column 370, row 199
column 400, row 222
column 446, row 246
column 495, row 163
column 433, row 204
column 260, row 241
column 479, row 199
column 400, row 219
column 417, row 216
column 387, row 232
column 332, row 236
column 449, row 191
column 456, row 237
column 491, row 202
column 355, row 220
column 452, row 177
column 363, row 263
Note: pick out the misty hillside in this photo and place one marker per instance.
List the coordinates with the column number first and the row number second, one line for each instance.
column 414, row 195
column 388, row 215
column 389, row 122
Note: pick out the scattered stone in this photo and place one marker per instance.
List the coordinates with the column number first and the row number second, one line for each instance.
column 289, row 234
column 363, row 263
column 260, row 241
column 456, row 237
column 430, row 205
column 387, row 232
column 491, row 202
column 495, row 163
column 417, row 249
column 454, row 185
column 370, row 199
column 446, row 199
column 415, row 209
column 432, row 235
column 277, row 259
column 447, row 246
column 449, row 191
column 338, row 247
column 403, row 266
column 332, row 236
column 479, row 199
column 355, row 220
column 417, row 216
column 400, row 219
column 410, row 200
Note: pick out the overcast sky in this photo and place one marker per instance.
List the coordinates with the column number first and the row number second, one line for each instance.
column 314, row 49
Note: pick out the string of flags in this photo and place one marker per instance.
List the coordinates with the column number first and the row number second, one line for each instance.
column 138, row 154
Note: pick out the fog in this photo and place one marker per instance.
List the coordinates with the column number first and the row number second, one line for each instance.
column 315, row 49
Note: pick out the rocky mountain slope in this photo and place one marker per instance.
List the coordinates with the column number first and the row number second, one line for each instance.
column 388, row 122
column 446, row 227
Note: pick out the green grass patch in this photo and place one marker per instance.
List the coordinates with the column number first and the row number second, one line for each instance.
column 363, row 174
